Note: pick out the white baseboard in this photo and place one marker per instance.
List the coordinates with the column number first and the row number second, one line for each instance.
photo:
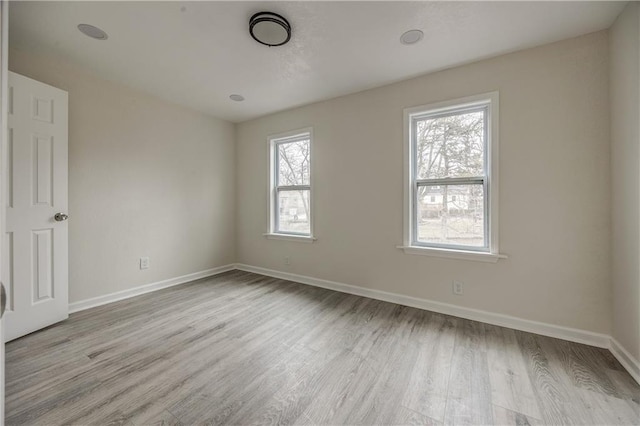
column 566, row 333
column 545, row 329
column 147, row 288
column 627, row 360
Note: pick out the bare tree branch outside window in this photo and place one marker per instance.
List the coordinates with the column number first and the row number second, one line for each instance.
column 450, row 147
column 293, row 185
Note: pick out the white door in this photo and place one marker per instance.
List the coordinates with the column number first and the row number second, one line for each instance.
column 4, row 69
column 35, row 270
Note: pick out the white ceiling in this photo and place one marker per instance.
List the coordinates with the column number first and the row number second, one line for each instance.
column 198, row 53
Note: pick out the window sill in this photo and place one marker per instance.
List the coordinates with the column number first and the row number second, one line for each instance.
column 289, row 237
column 453, row 254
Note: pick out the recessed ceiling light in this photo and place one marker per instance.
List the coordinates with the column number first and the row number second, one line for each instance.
column 411, row 37
column 269, row 29
column 237, row 98
column 93, row 32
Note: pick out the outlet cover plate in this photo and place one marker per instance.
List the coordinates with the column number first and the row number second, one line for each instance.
column 458, row 288
column 144, row 263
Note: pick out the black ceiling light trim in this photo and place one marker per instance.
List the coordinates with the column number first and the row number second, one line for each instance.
column 269, row 18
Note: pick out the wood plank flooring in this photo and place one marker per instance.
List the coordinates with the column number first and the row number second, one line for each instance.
column 241, row 348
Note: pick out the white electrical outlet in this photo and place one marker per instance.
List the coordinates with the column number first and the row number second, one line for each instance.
column 144, row 263
column 287, row 260
column 458, row 288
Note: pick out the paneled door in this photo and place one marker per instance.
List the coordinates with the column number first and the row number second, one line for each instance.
column 4, row 71
column 35, row 272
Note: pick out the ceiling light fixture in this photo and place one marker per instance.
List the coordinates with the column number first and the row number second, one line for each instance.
column 270, row 29
column 93, row 32
column 411, row 37
column 237, row 98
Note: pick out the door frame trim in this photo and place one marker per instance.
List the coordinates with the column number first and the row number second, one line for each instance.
column 4, row 79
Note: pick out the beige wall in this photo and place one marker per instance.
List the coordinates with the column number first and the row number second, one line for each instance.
column 625, row 167
column 554, row 188
column 146, row 178
column 151, row 178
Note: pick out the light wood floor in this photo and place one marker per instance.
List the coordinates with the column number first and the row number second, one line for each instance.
column 244, row 349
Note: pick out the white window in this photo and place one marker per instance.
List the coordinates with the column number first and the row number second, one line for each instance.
column 290, row 212
column 451, row 156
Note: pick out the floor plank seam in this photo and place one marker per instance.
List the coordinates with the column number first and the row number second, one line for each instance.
column 241, row 348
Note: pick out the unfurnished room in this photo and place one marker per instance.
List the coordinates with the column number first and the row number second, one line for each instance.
column 320, row 213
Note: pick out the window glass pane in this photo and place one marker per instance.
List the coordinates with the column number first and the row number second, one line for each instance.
column 293, row 163
column 451, row 214
column 450, row 146
column 293, row 212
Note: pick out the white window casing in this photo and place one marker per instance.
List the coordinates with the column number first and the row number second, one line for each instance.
column 277, row 188
column 488, row 252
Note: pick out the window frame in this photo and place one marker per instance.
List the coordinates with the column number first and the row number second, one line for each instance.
column 489, row 180
column 273, row 232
